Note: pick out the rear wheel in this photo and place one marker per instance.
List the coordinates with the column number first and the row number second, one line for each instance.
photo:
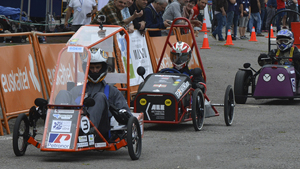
column 198, row 109
column 20, row 135
column 241, row 86
column 134, row 138
column 229, row 106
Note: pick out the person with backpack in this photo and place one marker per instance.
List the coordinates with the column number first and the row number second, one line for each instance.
column 153, row 16
column 291, row 16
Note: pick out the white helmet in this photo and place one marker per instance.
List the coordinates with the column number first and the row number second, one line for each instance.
column 98, row 56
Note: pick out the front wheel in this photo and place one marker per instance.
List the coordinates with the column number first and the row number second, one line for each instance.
column 229, row 106
column 134, row 138
column 198, row 109
column 241, row 86
column 20, row 135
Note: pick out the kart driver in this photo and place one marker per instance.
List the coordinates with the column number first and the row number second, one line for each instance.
column 285, row 48
column 99, row 114
column 180, row 56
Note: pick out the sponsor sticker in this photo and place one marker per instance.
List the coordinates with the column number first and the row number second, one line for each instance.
column 77, row 49
column 59, row 140
column 293, row 81
column 82, row 139
column 103, row 144
column 91, row 139
column 61, row 126
column 63, row 111
column 64, row 117
column 181, row 89
column 85, row 144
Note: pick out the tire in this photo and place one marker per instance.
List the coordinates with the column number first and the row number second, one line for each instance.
column 241, row 86
column 198, row 109
column 20, row 135
column 134, row 138
column 229, row 106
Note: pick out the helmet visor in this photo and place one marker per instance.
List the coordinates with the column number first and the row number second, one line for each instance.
column 283, row 41
column 179, row 58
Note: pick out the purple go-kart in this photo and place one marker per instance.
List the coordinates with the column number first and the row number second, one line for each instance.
column 271, row 81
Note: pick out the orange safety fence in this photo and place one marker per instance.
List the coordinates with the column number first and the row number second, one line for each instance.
column 20, row 79
column 48, row 53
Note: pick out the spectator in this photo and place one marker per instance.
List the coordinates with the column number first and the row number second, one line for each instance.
column 244, row 19
column 254, row 12
column 282, row 16
column 214, row 21
column 174, row 10
column 139, row 23
column 271, row 9
column 292, row 17
column 126, row 14
column 83, row 10
column 230, row 15
column 153, row 16
column 199, row 6
column 188, row 11
column 112, row 11
column 220, row 13
column 299, row 6
column 237, row 6
column 263, row 14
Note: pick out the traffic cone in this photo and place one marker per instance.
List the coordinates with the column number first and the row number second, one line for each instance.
column 205, row 44
column 204, row 28
column 271, row 32
column 229, row 39
column 253, row 35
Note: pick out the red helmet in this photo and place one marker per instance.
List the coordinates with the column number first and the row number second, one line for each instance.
column 180, row 54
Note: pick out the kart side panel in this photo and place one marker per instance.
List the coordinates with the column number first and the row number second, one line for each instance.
column 276, row 81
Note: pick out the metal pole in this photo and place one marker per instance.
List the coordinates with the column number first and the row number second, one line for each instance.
column 47, row 11
column 21, row 11
column 28, row 10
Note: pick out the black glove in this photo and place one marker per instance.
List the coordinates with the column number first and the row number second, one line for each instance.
column 264, row 59
column 121, row 115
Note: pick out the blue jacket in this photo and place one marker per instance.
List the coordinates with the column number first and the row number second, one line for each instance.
column 153, row 20
column 272, row 3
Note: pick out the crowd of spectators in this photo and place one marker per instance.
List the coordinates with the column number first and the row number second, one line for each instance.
column 239, row 15
column 247, row 14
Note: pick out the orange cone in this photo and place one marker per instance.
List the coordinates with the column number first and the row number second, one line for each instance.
column 229, row 39
column 271, row 32
column 253, row 35
column 204, row 28
column 205, row 44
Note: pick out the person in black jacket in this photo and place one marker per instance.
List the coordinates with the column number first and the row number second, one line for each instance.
column 220, row 13
column 139, row 23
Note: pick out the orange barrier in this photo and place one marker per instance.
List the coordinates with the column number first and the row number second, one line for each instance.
column 48, row 53
column 272, row 33
column 155, row 47
column 20, row 80
column 295, row 27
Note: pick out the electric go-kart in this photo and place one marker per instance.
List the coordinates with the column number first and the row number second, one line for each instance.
column 68, row 127
column 271, row 81
column 169, row 98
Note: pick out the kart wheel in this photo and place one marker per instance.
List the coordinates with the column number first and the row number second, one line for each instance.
column 134, row 138
column 198, row 109
column 229, row 106
column 20, row 135
column 241, row 86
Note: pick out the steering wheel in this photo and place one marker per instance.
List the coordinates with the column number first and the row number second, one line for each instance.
column 169, row 70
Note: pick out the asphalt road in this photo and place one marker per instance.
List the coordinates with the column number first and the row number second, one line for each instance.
column 264, row 134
